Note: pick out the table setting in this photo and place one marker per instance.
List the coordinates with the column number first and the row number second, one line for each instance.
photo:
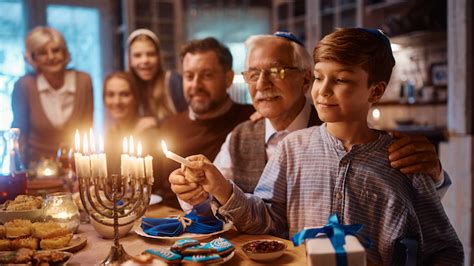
column 127, row 224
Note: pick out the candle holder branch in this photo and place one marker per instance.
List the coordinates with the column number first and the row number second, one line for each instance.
column 115, row 197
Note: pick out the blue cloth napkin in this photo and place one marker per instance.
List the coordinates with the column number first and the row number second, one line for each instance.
column 190, row 223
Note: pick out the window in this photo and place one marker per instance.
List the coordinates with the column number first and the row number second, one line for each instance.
column 80, row 27
column 83, row 23
column 12, row 65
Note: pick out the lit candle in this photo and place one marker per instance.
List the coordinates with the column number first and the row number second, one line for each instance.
column 77, row 154
column 93, row 157
column 139, row 160
column 131, row 145
column 102, row 159
column 149, row 169
column 173, row 156
column 86, row 168
column 124, row 159
column 133, row 160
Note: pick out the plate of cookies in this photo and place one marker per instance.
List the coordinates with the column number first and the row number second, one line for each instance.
column 226, row 227
column 189, row 251
column 22, row 233
column 27, row 256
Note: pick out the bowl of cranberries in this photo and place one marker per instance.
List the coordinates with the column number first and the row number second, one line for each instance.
column 264, row 249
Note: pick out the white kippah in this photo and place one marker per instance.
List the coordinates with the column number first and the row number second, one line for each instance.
column 145, row 32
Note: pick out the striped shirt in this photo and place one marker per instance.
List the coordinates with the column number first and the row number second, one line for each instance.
column 312, row 176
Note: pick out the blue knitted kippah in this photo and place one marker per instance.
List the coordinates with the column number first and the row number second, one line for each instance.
column 379, row 34
column 289, row 36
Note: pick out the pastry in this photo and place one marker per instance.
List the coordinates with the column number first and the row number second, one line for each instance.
column 198, row 250
column 55, row 242
column 24, row 242
column 181, row 244
column 5, row 244
column 202, row 259
column 3, row 231
column 165, row 255
column 222, row 245
column 48, row 230
column 18, row 228
column 25, row 202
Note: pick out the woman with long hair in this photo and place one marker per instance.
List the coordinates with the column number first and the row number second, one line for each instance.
column 160, row 91
column 121, row 100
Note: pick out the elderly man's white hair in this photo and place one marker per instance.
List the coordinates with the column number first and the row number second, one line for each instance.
column 301, row 58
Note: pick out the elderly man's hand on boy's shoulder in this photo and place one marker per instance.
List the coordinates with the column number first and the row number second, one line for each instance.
column 190, row 192
column 414, row 154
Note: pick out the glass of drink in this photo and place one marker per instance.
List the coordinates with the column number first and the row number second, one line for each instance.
column 13, row 177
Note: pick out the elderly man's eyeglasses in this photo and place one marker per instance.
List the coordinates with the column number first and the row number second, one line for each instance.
column 274, row 73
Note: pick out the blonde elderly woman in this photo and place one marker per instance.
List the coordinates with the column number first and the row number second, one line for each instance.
column 50, row 103
column 161, row 93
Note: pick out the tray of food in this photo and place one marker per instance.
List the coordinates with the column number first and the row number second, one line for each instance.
column 23, row 207
column 22, row 233
column 35, row 257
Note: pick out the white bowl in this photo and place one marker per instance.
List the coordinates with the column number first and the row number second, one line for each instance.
column 107, row 231
column 264, row 255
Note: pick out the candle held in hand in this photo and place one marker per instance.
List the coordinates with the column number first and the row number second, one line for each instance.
column 173, row 156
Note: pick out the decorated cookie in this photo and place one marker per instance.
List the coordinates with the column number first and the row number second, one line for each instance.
column 198, row 250
column 181, row 244
column 202, row 259
column 165, row 255
column 222, row 245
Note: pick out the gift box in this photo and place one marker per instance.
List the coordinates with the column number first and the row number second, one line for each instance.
column 320, row 251
column 333, row 244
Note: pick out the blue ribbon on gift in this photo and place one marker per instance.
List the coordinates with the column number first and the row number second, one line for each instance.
column 190, row 223
column 336, row 233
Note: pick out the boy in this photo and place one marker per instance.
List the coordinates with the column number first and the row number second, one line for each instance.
column 342, row 166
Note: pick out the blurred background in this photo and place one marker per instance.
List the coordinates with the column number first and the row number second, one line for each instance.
column 430, row 91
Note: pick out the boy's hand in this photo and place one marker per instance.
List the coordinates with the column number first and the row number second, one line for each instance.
column 213, row 182
column 189, row 192
column 414, row 154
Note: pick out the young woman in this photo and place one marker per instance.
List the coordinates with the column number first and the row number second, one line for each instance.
column 161, row 93
column 50, row 103
column 121, row 100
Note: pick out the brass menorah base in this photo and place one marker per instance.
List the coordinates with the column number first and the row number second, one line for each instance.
column 123, row 197
column 117, row 256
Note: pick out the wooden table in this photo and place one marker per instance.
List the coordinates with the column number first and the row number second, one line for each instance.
column 97, row 248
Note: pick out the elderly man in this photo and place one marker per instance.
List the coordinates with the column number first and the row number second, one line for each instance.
column 211, row 115
column 279, row 74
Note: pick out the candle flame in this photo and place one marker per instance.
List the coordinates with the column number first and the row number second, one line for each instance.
column 85, row 147
column 139, row 149
column 77, row 141
column 125, row 146
column 92, row 140
column 376, row 114
column 131, row 146
column 101, row 144
column 164, row 147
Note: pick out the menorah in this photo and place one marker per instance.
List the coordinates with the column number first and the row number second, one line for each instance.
column 107, row 197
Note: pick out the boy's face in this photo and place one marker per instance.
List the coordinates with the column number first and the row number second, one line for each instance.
column 341, row 93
